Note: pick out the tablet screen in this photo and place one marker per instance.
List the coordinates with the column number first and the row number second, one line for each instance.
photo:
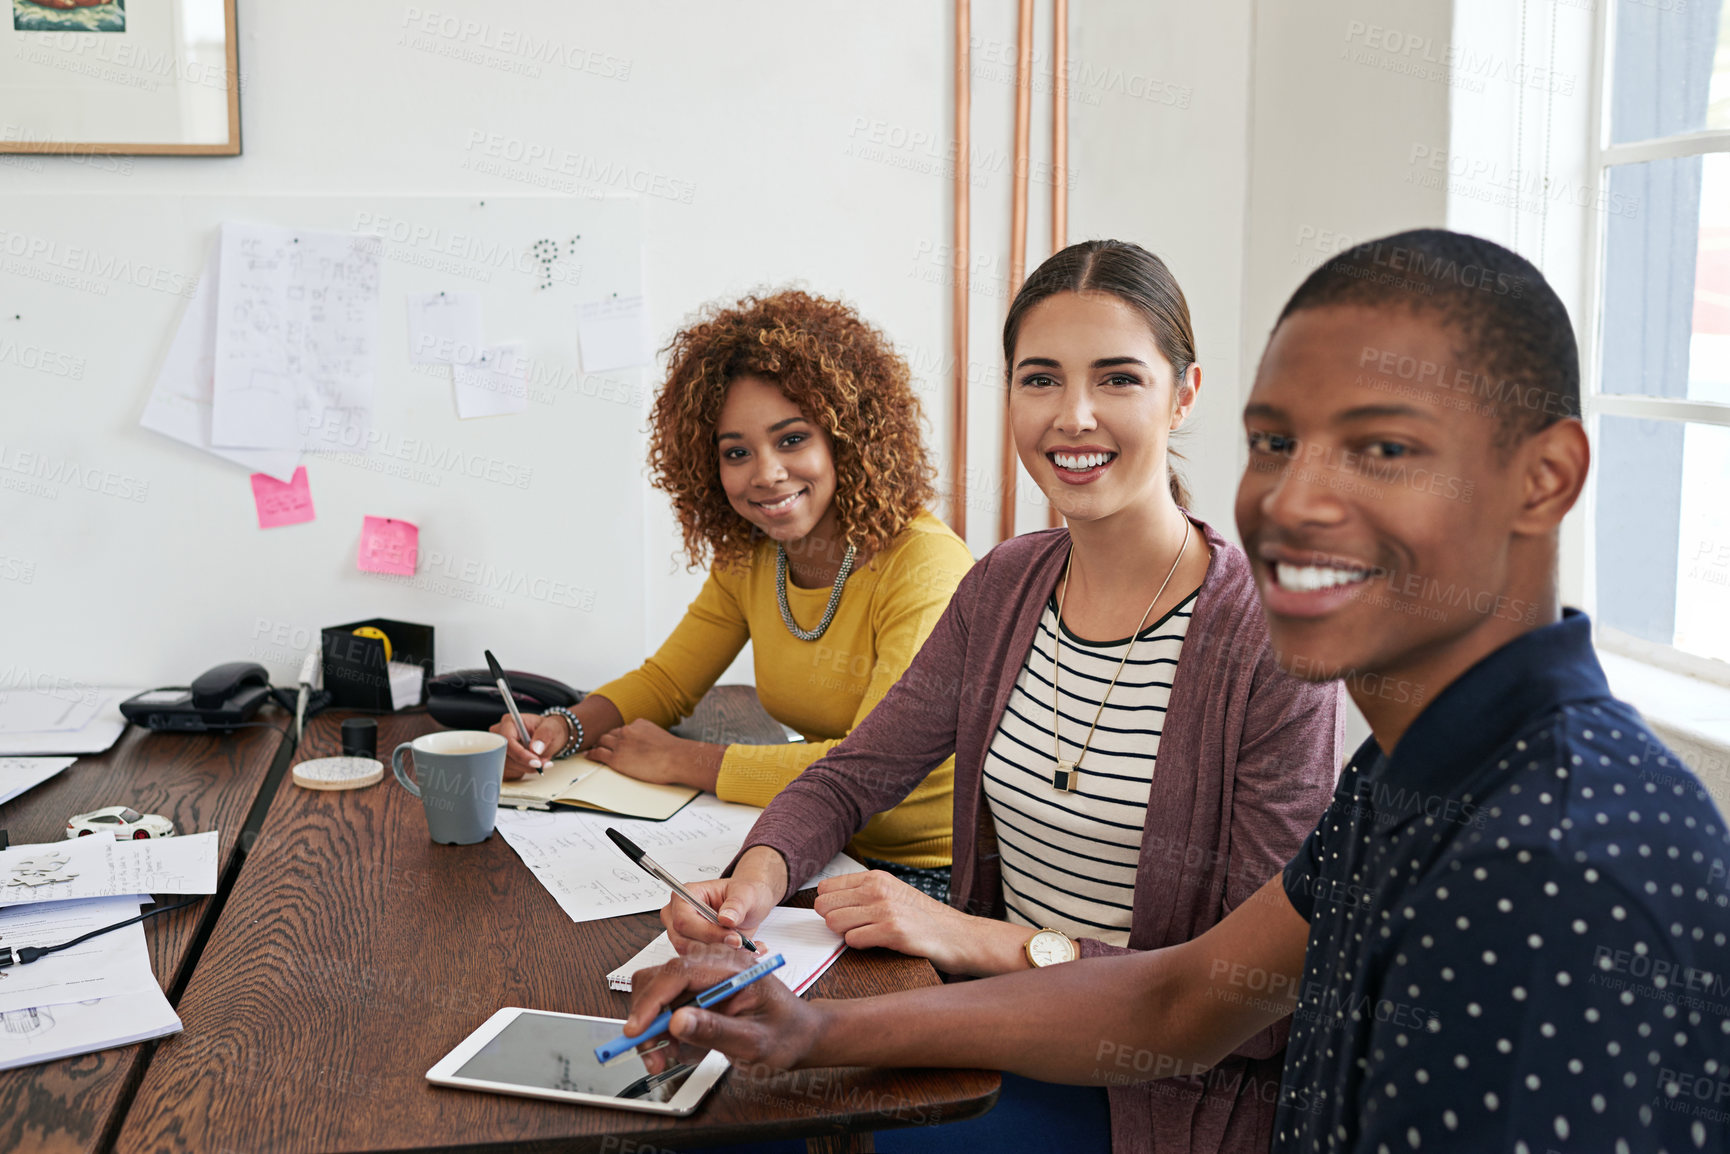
column 555, row 1052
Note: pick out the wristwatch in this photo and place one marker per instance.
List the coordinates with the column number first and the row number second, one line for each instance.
column 1048, row 947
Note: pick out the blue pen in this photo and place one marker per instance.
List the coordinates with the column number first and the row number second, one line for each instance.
column 719, row 992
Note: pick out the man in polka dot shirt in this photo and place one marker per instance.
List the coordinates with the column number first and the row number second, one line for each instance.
column 1508, row 932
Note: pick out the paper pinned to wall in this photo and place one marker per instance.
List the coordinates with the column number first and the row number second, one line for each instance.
column 297, row 320
column 389, row 546
column 280, row 504
column 180, row 404
column 497, row 383
column 444, row 328
column 614, row 333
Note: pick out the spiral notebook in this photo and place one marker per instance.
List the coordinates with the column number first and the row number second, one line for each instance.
column 798, row 935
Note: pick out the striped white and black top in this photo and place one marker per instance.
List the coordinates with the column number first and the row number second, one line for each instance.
column 1069, row 859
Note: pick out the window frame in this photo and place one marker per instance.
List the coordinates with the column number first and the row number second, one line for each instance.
column 1601, row 156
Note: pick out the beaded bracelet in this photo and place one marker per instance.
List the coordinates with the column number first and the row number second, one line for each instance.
column 576, row 727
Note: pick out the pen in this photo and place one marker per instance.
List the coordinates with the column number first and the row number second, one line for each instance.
column 510, row 700
column 719, row 992
column 643, row 862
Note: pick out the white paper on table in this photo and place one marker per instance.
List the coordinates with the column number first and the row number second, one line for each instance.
column 569, row 853
column 18, row 774
column 99, row 731
column 297, row 321
column 47, row 710
column 497, row 383
column 48, row 1033
column 102, row 866
column 809, row 946
column 106, row 966
column 180, row 404
column 444, row 328
column 614, row 333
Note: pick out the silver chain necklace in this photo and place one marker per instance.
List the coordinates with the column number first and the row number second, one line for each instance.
column 834, row 594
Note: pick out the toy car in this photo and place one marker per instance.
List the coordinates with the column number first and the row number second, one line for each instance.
column 121, row 821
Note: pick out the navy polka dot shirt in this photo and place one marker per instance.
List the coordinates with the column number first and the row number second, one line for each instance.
column 1517, row 930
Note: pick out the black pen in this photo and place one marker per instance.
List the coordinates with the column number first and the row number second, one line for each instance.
column 510, row 701
column 643, row 862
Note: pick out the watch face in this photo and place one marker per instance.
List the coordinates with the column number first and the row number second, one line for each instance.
column 1048, row 947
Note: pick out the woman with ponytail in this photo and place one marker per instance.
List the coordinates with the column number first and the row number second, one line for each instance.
column 1130, row 762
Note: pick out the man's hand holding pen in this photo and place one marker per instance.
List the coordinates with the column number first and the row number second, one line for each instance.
column 763, row 1024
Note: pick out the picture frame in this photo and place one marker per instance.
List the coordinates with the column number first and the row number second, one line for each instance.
column 120, row 77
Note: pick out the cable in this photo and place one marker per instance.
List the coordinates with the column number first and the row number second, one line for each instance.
column 26, row 954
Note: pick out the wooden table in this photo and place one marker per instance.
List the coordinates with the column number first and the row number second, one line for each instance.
column 354, row 953
column 201, row 782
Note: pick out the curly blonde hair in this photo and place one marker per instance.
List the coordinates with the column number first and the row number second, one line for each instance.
column 845, row 377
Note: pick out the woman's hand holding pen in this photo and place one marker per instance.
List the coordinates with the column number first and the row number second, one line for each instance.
column 763, row 1024
column 550, row 733
column 547, row 735
column 758, row 884
column 878, row 909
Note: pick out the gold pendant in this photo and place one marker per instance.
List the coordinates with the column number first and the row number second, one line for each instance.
column 1064, row 777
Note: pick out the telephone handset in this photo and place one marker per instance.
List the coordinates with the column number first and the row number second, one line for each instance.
column 470, row 699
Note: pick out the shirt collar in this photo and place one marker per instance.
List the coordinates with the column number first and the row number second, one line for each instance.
column 1483, row 708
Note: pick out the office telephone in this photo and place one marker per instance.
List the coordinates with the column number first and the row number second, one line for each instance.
column 217, row 701
column 469, row 699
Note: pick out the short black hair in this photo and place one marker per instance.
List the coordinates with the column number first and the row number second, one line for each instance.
column 1515, row 344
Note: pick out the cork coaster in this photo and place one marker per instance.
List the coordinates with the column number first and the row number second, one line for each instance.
column 339, row 773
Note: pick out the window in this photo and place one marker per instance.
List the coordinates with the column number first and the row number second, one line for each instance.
column 1658, row 360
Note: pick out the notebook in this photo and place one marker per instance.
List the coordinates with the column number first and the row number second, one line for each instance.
column 576, row 781
column 800, row 936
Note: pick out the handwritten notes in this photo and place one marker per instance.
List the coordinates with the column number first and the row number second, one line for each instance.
column 297, row 319
column 497, row 383
column 444, row 328
column 389, row 546
column 569, row 853
column 614, row 333
column 280, row 504
column 99, row 866
column 181, row 401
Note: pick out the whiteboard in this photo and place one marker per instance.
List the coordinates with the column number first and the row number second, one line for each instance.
column 128, row 558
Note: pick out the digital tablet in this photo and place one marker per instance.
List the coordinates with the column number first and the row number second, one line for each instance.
column 539, row 1054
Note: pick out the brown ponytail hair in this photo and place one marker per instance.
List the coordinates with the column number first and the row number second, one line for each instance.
column 1132, row 275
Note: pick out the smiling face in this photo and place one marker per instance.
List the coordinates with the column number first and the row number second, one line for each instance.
column 776, row 466
column 1092, row 403
column 1387, row 531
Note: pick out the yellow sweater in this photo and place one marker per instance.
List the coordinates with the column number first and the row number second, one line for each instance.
column 821, row 688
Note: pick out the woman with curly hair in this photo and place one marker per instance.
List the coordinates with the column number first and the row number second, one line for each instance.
column 788, row 436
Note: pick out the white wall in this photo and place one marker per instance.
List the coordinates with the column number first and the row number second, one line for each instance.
column 778, row 142
column 1338, row 118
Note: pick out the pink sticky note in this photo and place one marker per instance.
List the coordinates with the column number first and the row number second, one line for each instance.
column 280, row 504
column 389, row 546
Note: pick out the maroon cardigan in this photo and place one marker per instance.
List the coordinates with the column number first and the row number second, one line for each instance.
column 1247, row 762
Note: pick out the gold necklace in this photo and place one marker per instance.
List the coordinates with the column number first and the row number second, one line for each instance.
column 1067, row 775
